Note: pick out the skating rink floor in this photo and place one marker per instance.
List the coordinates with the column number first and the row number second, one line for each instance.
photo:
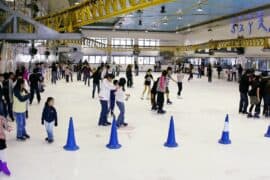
column 199, row 120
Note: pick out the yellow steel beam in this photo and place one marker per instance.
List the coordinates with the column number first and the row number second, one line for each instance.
column 92, row 11
column 229, row 43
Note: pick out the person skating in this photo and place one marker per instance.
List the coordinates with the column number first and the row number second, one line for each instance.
column 161, row 89
column 147, row 84
column 120, row 97
column 168, row 78
column 209, row 72
column 129, row 76
column 104, row 96
column 112, row 97
column 8, row 94
column 35, row 79
column 243, row 89
column 20, row 98
column 96, row 81
column 49, row 118
column 254, row 95
column 180, row 77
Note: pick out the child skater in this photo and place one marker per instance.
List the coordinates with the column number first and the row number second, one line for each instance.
column 161, row 90
column 147, row 83
column 49, row 118
column 180, row 77
column 112, row 98
column 121, row 96
column 104, row 96
column 3, row 163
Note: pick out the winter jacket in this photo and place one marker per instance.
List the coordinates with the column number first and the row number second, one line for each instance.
column 19, row 99
column 49, row 115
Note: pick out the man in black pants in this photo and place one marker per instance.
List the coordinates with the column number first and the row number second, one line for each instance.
column 243, row 89
column 34, row 79
column 96, row 81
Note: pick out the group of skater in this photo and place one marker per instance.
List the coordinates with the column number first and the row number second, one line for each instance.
column 17, row 91
column 254, row 88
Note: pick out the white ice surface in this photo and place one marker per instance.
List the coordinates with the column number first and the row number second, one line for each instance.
column 199, row 120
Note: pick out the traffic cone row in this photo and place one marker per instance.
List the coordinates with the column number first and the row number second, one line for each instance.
column 170, row 143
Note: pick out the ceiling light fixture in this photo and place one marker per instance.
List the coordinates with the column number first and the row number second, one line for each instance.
column 163, row 9
column 199, row 9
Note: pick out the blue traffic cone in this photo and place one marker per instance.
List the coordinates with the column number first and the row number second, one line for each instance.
column 267, row 134
column 225, row 138
column 171, row 136
column 113, row 144
column 71, row 141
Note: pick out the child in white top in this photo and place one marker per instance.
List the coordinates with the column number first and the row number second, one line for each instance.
column 120, row 97
column 180, row 77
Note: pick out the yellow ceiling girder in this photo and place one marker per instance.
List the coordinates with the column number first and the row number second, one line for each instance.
column 218, row 44
column 92, row 11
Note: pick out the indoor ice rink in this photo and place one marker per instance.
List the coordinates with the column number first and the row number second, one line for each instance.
column 205, row 114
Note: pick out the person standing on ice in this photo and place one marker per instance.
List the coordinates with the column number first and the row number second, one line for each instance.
column 120, row 97
column 161, row 89
column 147, row 84
column 20, row 97
column 243, row 89
column 254, row 95
column 168, row 78
column 49, row 118
column 180, row 77
column 3, row 162
column 104, row 96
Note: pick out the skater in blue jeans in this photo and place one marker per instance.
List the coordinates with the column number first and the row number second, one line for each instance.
column 20, row 102
column 120, row 97
column 104, row 96
column 49, row 118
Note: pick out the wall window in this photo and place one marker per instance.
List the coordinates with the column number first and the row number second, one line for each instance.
column 148, row 42
column 147, row 60
column 123, row 59
column 102, row 40
column 97, row 59
column 122, row 42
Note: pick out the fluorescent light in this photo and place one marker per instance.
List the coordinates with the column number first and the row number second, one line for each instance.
column 180, row 18
column 199, row 9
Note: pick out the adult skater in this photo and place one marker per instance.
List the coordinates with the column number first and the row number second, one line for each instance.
column 148, row 78
column 96, row 81
column 129, row 76
column 8, row 94
column 190, row 72
column 20, row 99
column 254, row 95
column 104, row 96
column 209, row 72
column 34, row 80
column 243, row 89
